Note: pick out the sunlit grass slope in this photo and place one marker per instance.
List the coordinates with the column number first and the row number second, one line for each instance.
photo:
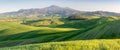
column 111, row 44
column 9, row 28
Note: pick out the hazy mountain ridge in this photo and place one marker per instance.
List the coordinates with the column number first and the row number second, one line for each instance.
column 44, row 11
column 57, row 11
column 101, row 13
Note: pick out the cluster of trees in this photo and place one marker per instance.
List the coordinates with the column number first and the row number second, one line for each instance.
column 79, row 17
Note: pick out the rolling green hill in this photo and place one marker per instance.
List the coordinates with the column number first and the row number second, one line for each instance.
column 105, row 31
column 13, row 34
column 8, row 28
column 44, row 22
column 86, row 23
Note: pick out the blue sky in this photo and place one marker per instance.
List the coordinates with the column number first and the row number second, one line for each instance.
column 82, row 5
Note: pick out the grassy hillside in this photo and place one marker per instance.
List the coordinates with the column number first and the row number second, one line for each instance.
column 105, row 31
column 16, row 34
column 9, row 28
column 15, row 28
column 13, row 34
column 83, row 24
column 111, row 44
column 44, row 22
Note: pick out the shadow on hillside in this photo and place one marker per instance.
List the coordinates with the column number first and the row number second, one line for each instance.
column 32, row 37
column 2, row 31
column 79, row 23
column 36, row 36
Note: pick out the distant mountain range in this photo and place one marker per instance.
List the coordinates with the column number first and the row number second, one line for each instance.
column 56, row 11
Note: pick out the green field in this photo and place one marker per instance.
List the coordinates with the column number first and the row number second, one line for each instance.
column 61, row 34
column 111, row 44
